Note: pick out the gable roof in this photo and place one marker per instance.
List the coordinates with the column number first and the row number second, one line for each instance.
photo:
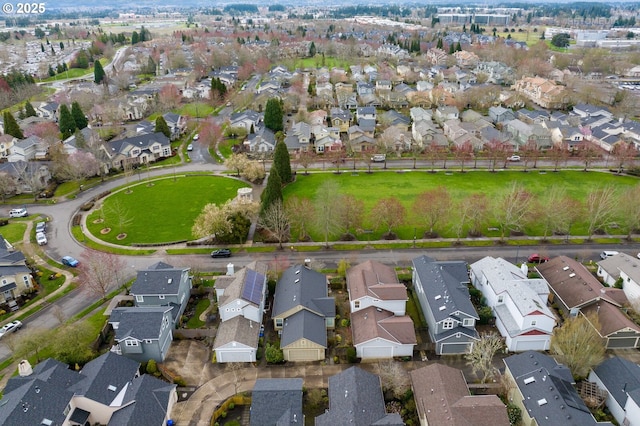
column 376, row 280
column 619, row 376
column 574, row 284
column 546, row 387
column 611, row 319
column 237, row 329
column 249, row 283
column 159, row 278
column 276, row 402
column 302, row 286
column 442, row 395
column 140, row 323
column 370, row 323
column 622, row 262
column 448, row 280
column 143, row 141
column 145, row 402
column 304, row 325
column 355, row 398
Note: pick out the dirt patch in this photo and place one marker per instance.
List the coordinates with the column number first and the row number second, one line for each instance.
column 104, row 231
column 121, row 236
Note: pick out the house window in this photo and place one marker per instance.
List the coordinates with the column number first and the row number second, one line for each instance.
column 148, row 341
column 500, row 299
column 533, row 322
column 447, row 324
column 356, row 304
column 278, row 322
column 161, row 297
column 131, row 343
column 468, row 322
column 139, row 298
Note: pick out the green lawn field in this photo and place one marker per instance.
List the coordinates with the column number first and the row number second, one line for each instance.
column 406, row 186
column 164, row 212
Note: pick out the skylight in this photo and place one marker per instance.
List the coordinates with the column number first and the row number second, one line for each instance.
column 442, row 308
column 112, row 388
column 571, row 275
column 542, row 402
column 566, row 268
column 438, row 297
column 529, row 380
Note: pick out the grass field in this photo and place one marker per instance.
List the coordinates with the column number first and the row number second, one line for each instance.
column 317, row 62
column 406, row 186
column 196, row 110
column 163, row 212
column 14, row 231
column 74, row 72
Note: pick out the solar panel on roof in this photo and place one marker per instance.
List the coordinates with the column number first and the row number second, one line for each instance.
column 253, row 286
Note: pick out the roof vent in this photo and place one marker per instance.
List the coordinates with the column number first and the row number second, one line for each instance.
column 542, row 402
column 297, row 280
column 298, row 271
column 346, row 393
column 529, row 380
column 170, row 280
column 438, row 297
column 46, row 422
column 37, row 389
column 112, row 388
column 566, row 268
column 571, row 275
column 442, row 308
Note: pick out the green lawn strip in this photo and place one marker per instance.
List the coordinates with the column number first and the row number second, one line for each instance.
column 190, row 251
column 169, row 207
column 194, row 321
column 407, row 186
column 262, row 249
column 225, row 147
column 14, row 230
column 196, row 109
column 77, row 234
column 414, row 312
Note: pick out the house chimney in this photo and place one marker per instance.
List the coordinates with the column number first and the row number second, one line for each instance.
column 24, row 368
column 230, row 270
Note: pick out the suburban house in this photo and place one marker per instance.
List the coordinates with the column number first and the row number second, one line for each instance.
column 542, row 92
column 302, row 313
column 444, row 113
column 109, row 390
column 140, row 149
column 276, row 402
column 519, row 303
column 441, row 287
column 6, row 143
column 177, row 124
column 247, row 119
column 263, row 140
column 499, row 114
column 623, row 268
column 162, row 285
column 355, row 397
column 24, row 149
column 544, row 392
column 241, row 299
column 576, row 291
column 620, row 379
column 442, row 398
column 15, row 276
column 142, row 333
column 27, row 176
column 48, row 110
column 340, row 119
column 375, row 284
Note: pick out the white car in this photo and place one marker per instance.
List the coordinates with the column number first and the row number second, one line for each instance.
column 514, row 158
column 18, row 213
column 190, row 147
column 10, row 328
column 196, row 136
column 41, row 238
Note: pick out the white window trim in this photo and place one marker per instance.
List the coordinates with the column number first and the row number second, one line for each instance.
column 139, row 298
column 467, row 322
column 130, row 342
column 447, row 324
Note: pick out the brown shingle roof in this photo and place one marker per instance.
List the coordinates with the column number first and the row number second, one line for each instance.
column 376, row 280
column 442, row 396
column 372, row 322
column 611, row 318
column 574, row 284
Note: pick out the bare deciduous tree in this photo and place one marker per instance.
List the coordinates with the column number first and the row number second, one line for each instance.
column 276, row 221
column 96, row 272
column 600, row 208
column 7, row 185
column 481, row 356
column 350, row 214
column 31, row 342
column 432, row 206
column 512, row 208
column 118, row 214
column 388, row 213
column 216, row 220
column 326, row 210
column 301, row 212
column 394, row 378
column 624, row 153
column 478, row 211
column 629, row 212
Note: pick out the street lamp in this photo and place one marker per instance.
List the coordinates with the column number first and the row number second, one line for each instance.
column 414, row 237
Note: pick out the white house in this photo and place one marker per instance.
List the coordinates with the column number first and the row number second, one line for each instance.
column 241, row 298
column 518, row 303
column 375, row 284
column 621, row 379
column 625, row 268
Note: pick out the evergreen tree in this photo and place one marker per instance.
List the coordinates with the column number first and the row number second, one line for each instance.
column 66, row 123
column 98, row 72
column 135, row 38
column 42, row 47
column 273, row 115
column 29, row 110
column 61, row 46
column 11, row 126
column 53, row 52
column 458, row 47
column 21, row 114
column 52, row 72
column 452, row 49
column 282, row 162
column 312, row 49
column 78, row 116
column 162, row 127
column 272, row 192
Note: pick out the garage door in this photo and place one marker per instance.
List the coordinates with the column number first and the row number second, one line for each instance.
column 530, row 345
column 303, row 355
column 454, row 348
column 226, row 356
column 628, row 342
column 377, row 352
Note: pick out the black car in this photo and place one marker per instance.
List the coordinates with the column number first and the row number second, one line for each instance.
column 221, row 253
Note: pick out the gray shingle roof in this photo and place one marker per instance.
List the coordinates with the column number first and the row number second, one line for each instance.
column 300, row 285
column 547, row 389
column 276, row 402
column 96, row 384
column 149, row 398
column 448, row 280
column 237, row 329
column 143, row 141
column 304, row 325
column 159, row 278
column 139, row 322
column 355, row 398
column 619, row 376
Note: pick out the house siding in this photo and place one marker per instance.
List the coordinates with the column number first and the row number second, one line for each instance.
column 398, row 307
column 303, row 350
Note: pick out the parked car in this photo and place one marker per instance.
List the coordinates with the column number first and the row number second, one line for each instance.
column 514, row 158
column 607, row 253
column 221, row 253
column 536, row 258
column 379, row 158
column 70, row 261
column 10, row 328
column 41, row 227
column 41, row 238
column 18, row 213
column 638, row 255
column 196, row 136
